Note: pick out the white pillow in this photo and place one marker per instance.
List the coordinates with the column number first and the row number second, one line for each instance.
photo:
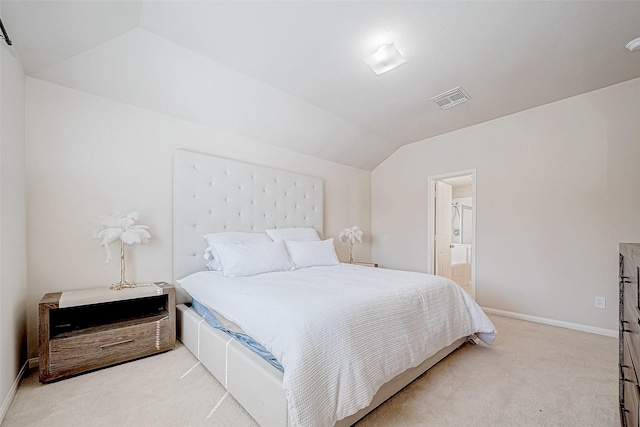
column 312, row 253
column 253, row 258
column 229, row 237
column 293, row 234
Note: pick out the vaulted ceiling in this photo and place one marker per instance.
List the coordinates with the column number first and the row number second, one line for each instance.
column 291, row 73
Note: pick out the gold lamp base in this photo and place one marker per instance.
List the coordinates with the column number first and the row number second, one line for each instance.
column 122, row 285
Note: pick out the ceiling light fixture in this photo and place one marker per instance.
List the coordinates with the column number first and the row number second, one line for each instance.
column 634, row 44
column 385, row 58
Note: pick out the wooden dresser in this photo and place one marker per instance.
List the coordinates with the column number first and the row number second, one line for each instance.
column 629, row 343
column 83, row 330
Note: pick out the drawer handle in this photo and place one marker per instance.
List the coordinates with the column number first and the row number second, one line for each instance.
column 116, row 343
column 623, row 377
column 627, row 379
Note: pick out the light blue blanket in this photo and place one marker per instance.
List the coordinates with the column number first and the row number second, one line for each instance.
column 244, row 339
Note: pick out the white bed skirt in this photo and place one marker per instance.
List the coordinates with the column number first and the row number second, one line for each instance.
column 256, row 384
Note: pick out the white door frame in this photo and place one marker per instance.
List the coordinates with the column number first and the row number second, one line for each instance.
column 431, row 222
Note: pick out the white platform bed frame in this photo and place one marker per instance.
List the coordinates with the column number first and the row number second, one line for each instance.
column 212, row 194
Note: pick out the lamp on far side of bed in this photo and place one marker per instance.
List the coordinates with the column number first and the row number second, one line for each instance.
column 351, row 235
column 117, row 226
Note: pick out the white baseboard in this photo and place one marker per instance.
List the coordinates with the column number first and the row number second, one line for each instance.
column 12, row 392
column 576, row 326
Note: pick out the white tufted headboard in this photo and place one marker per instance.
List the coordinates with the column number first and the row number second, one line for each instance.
column 212, row 194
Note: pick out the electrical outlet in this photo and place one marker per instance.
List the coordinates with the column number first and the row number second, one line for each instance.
column 600, row 302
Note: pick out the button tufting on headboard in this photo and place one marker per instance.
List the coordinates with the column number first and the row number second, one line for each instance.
column 212, row 194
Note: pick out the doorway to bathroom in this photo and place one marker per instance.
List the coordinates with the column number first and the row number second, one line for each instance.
column 452, row 227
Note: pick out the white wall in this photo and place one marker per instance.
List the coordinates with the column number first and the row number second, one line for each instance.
column 557, row 189
column 143, row 69
column 13, row 278
column 88, row 156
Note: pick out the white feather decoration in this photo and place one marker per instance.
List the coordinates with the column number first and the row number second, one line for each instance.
column 117, row 226
column 351, row 235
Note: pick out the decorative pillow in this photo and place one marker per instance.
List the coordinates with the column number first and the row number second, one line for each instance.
column 293, row 234
column 312, row 253
column 253, row 258
column 241, row 237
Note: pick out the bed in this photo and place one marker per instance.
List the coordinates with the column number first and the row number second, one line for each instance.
column 219, row 195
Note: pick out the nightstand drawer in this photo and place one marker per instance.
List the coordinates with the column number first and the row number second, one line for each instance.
column 629, row 345
column 628, row 369
column 98, row 327
column 91, row 351
column 631, row 326
column 631, row 404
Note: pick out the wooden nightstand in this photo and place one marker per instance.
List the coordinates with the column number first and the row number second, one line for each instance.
column 83, row 330
column 367, row 264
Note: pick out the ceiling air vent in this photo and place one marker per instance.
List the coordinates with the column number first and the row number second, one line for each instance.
column 451, row 98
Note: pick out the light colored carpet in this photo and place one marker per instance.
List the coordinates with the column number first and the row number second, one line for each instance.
column 535, row 375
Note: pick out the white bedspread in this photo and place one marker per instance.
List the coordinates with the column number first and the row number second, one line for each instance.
column 343, row 331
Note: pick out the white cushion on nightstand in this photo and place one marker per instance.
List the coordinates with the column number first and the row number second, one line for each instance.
column 98, row 295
